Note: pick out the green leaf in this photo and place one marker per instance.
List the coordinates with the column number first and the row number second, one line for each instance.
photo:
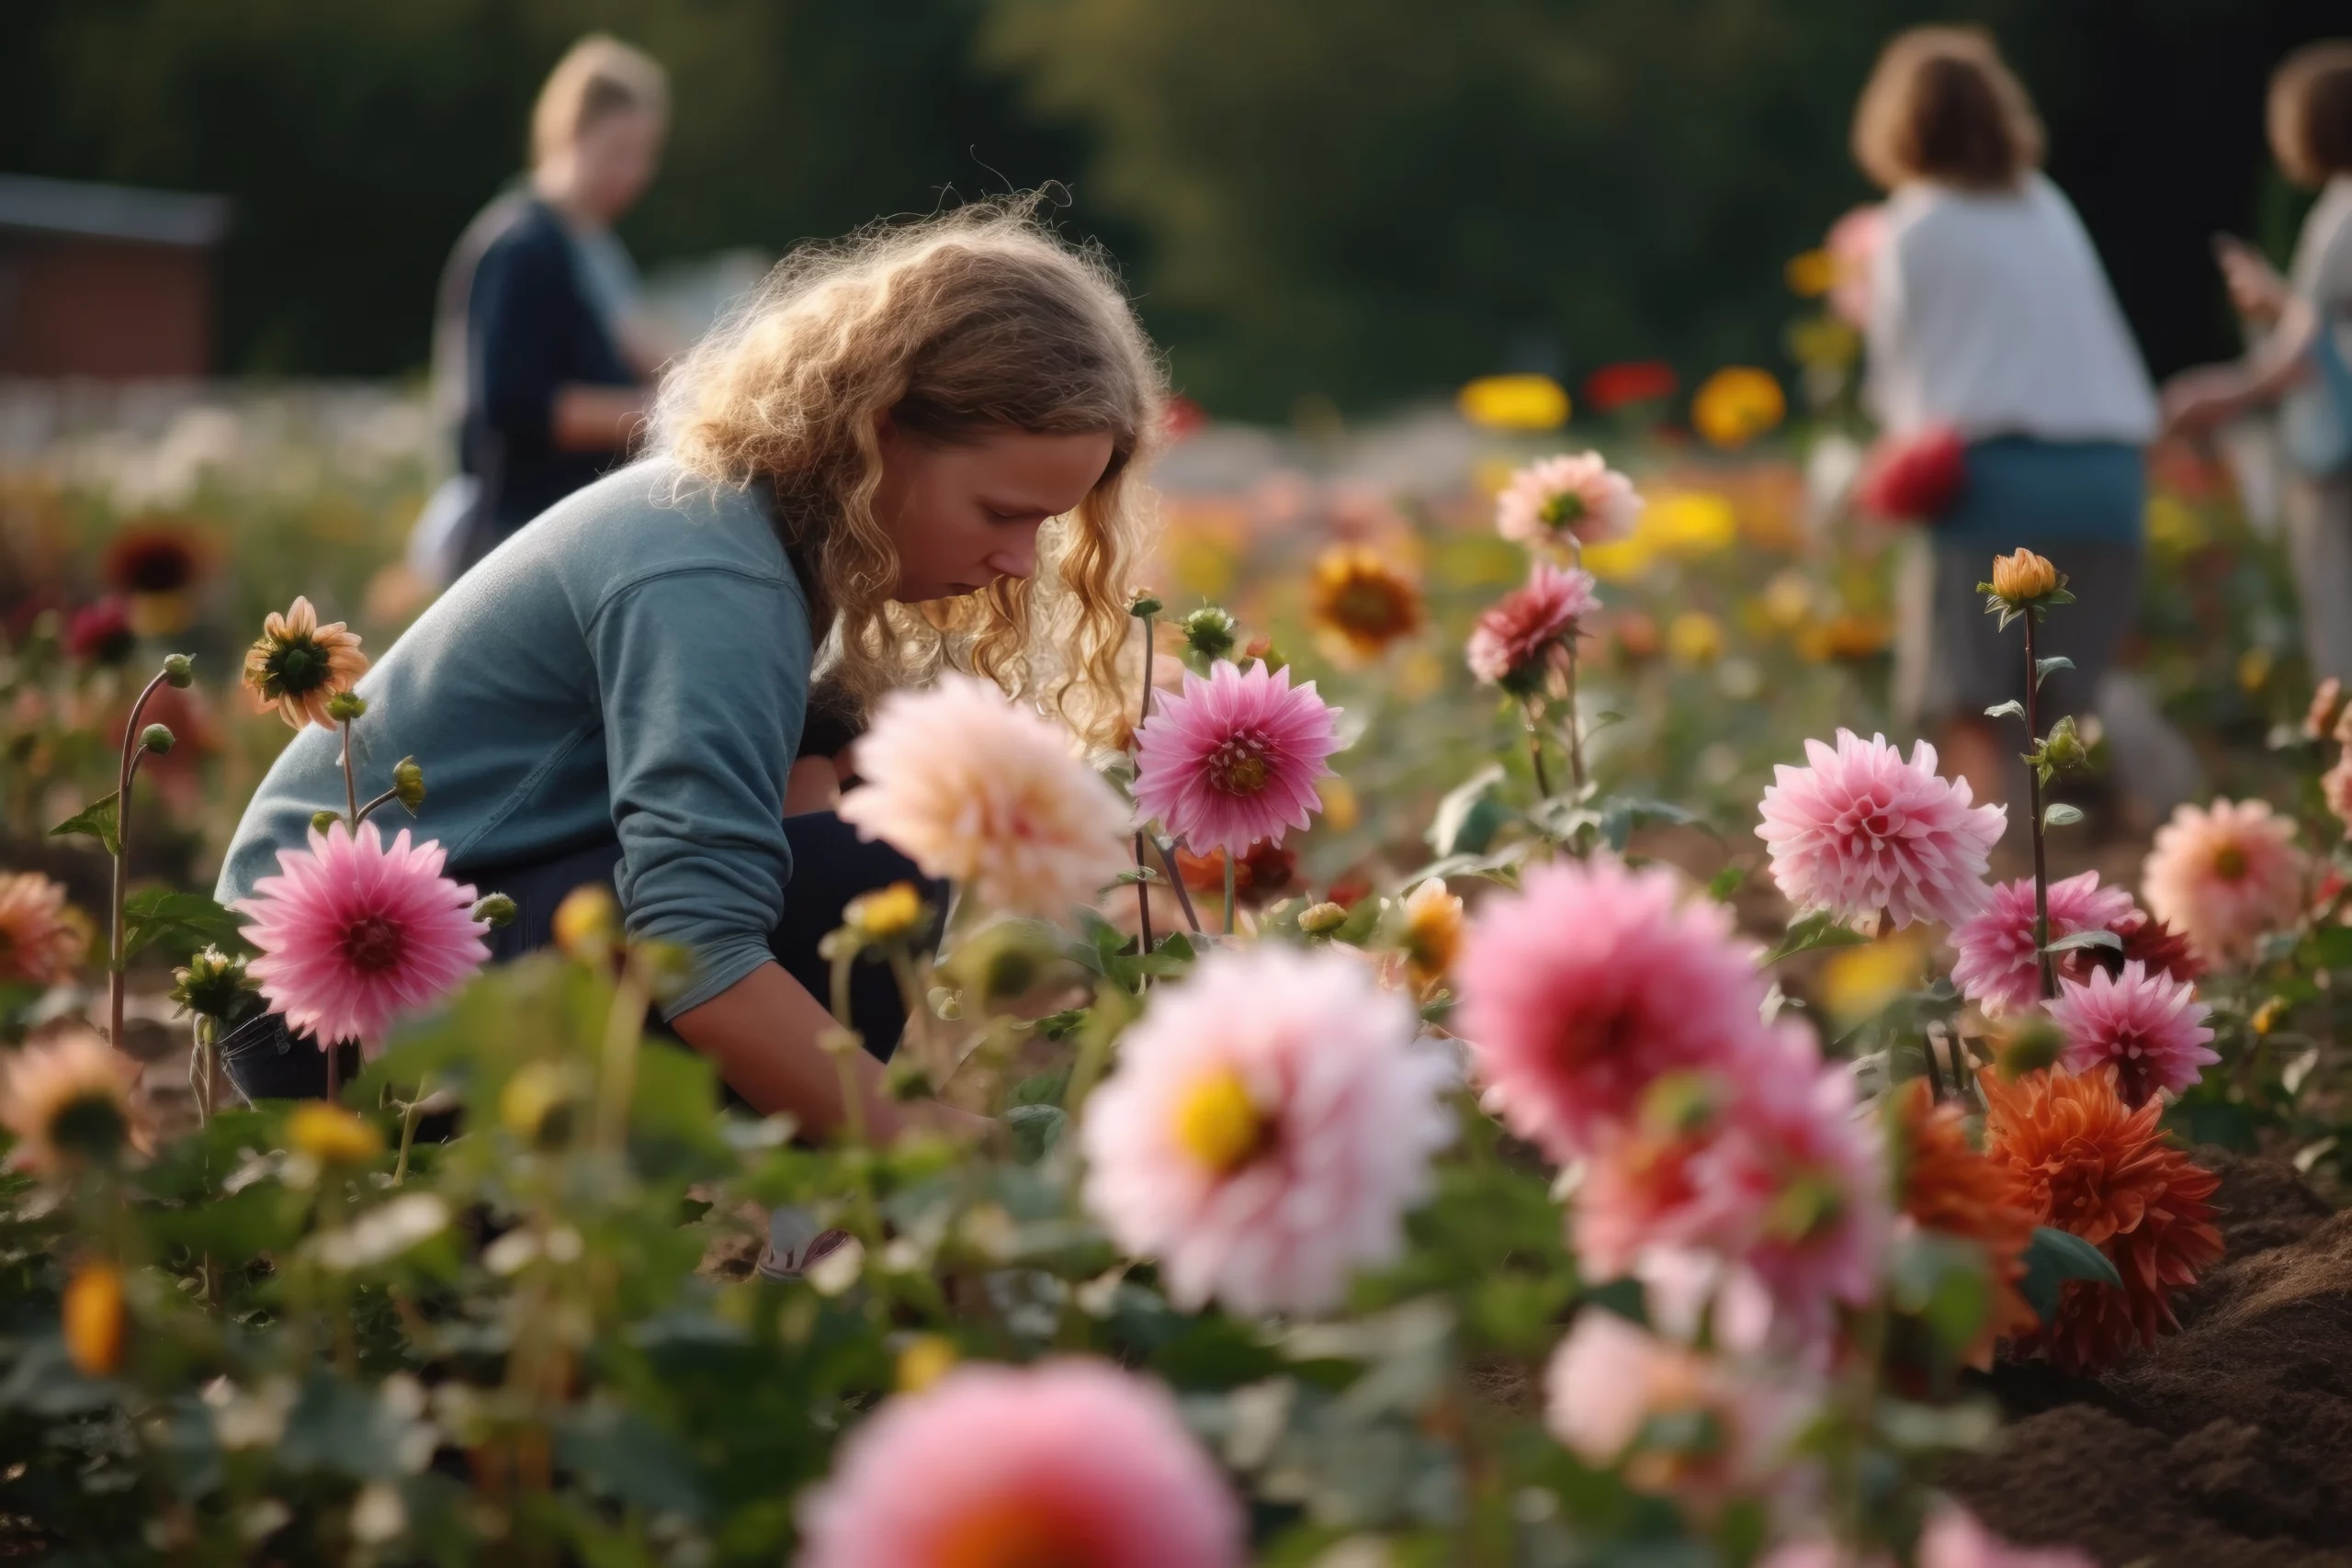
column 2054, row 1256
column 1619, row 815
column 1726, row 882
column 1815, row 930
column 2085, row 939
column 1469, row 818
column 2046, row 668
column 1035, row 1129
column 626, row 1456
column 2010, row 709
column 97, row 820
column 159, row 912
column 2058, row 814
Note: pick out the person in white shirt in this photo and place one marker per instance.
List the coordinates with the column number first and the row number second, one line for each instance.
column 2301, row 361
column 1990, row 318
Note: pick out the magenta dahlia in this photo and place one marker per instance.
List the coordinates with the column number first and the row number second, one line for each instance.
column 353, row 934
column 1587, row 985
column 1998, row 968
column 1860, row 831
column 1528, row 633
column 2149, row 1024
column 1234, row 759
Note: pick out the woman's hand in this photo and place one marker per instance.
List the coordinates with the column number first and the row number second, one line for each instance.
column 2255, row 288
column 2195, row 401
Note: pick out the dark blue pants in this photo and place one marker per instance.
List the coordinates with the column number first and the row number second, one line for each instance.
column 830, row 866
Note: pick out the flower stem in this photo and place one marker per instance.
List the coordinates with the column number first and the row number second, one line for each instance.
column 1176, row 880
column 1143, row 884
column 350, row 782
column 133, row 746
column 623, row 1031
column 1228, row 892
column 408, row 1131
column 2033, row 801
column 374, row 806
column 1536, row 753
column 1575, row 727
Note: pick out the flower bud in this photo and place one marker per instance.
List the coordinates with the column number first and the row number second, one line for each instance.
column 1001, row 960
column 2268, row 1016
column 538, row 1102
column 885, row 914
column 1144, row 603
column 588, row 923
column 2022, row 576
column 332, row 1135
column 1209, row 632
column 1262, row 649
column 408, row 784
column 214, row 985
column 155, row 738
column 178, row 671
column 2063, row 749
column 2032, row 1045
column 495, row 911
column 91, row 1317
column 323, row 820
column 1321, row 919
column 344, row 706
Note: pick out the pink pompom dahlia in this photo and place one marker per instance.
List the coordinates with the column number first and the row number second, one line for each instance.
column 2225, row 876
column 1066, row 1461
column 353, row 934
column 1234, row 759
column 1591, row 983
column 981, row 792
column 1997, row 968
column 1270, row 1122
column 1859, row 831
column 1527, row 634
column 2150, row 1025
column 1577, row 497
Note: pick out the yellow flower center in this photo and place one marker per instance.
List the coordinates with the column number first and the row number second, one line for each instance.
column 2229, row 862
column 331, row 1135
column 1218, row 1124
column 891, row 912
column 1240, row 766
column 1564, row 510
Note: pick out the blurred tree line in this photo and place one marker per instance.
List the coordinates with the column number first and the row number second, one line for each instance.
column 1362, row 200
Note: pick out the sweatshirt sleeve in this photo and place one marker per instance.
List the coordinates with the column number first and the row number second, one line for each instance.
column 518, row 328
column 703, row 673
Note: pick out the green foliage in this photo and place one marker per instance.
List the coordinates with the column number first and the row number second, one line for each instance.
column 2055, row 1256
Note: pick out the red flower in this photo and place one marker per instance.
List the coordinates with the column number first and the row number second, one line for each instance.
column 1636, row 381
column 100, row 633
column 1912, row 480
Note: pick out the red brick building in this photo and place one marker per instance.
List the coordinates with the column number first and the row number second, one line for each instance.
column 106, row 281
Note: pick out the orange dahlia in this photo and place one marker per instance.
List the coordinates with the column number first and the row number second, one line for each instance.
column 40, row 939
column 1949, row 1187
column 2077, row 1158
column 297, row 664
column 1363, row 600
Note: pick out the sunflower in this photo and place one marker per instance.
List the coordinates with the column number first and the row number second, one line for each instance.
column 1362, row 599
column 297, row 664
column 2077, row 1158
column 67, row 1099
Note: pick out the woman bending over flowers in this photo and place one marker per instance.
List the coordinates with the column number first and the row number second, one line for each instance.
column 914, row 450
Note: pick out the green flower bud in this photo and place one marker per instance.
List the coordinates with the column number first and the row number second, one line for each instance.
column 495, row 911
column 344, row 706
column 2032, row 1045
column 2062, row 749
column 1321, row 919
column 178, row 669
column 155, row 738
column 408, row 784
column 1209, row 632
column 323, row 820
column 214, row 985
column 1144, row 605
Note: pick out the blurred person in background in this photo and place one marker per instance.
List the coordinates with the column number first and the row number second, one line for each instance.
column 2301, row 358
column 1990, row 323
column 543, row 358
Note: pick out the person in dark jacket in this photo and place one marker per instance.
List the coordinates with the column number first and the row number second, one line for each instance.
column 538, row 322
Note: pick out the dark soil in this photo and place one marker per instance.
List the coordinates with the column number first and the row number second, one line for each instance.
column 2228, row 1443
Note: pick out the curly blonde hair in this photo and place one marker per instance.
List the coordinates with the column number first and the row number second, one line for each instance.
column 978, row 319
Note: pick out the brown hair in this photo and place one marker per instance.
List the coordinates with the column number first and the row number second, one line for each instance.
column 1942, row 105
column 2311, row 112
column 596, row 78
column 982, row 319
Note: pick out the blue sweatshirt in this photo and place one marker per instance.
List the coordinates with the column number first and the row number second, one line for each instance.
column 635, row 662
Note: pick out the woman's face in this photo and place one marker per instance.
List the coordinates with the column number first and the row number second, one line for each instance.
column 613, row 160
column 961, row 516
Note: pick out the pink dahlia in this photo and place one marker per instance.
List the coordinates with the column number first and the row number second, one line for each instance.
column 1233, row 759
column 1270, row 1122
column 353, row 934
column 1587, row 985
column 2225, row 876
column 1997, row 968
column 2336, row 785
column 983, row 793
column 1529, row 632
column 1578, row 497
column 1067, row 1461
column 2150, row 1025
column 1860, row 831
column 1953, row 1538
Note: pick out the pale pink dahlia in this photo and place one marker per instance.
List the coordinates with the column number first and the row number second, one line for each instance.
column 1270, row 1122
column 1234, row 759
column 353, row 934
column 1067, row 1461
column 1860, row 831
column 1529, row 632
column 1589, row 983
column 2225, row 876
column 1997, row 968
column 981, row 792
column 1577, row 497
column 2150, row 1025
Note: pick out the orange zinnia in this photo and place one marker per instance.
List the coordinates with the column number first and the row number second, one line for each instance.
column 1953, row 1189
column 297, row 664
column 1363, row 600
column 40, row 939
column 2077, row 1158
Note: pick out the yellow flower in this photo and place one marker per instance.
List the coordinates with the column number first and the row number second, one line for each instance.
column 1851, row 637
column 67, row 1099
column 1825, row 341
column 1362, row 600
column 1856, row 981
column 1737, row 404
column 1514, row 402
column 587, row 924
column 926, row 1358
column 1620, row 560
column 1811, row 274
column 533, row 1102
column 1788, row 600
column 1695, row 637
column 1691, row 524
column 90, row 1313
column 295, row 664
column 891, row 912
column 2174, row 525
column 1217, row 1122
column 1432, row 935
column 331, row 1135
column 2022, row 576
